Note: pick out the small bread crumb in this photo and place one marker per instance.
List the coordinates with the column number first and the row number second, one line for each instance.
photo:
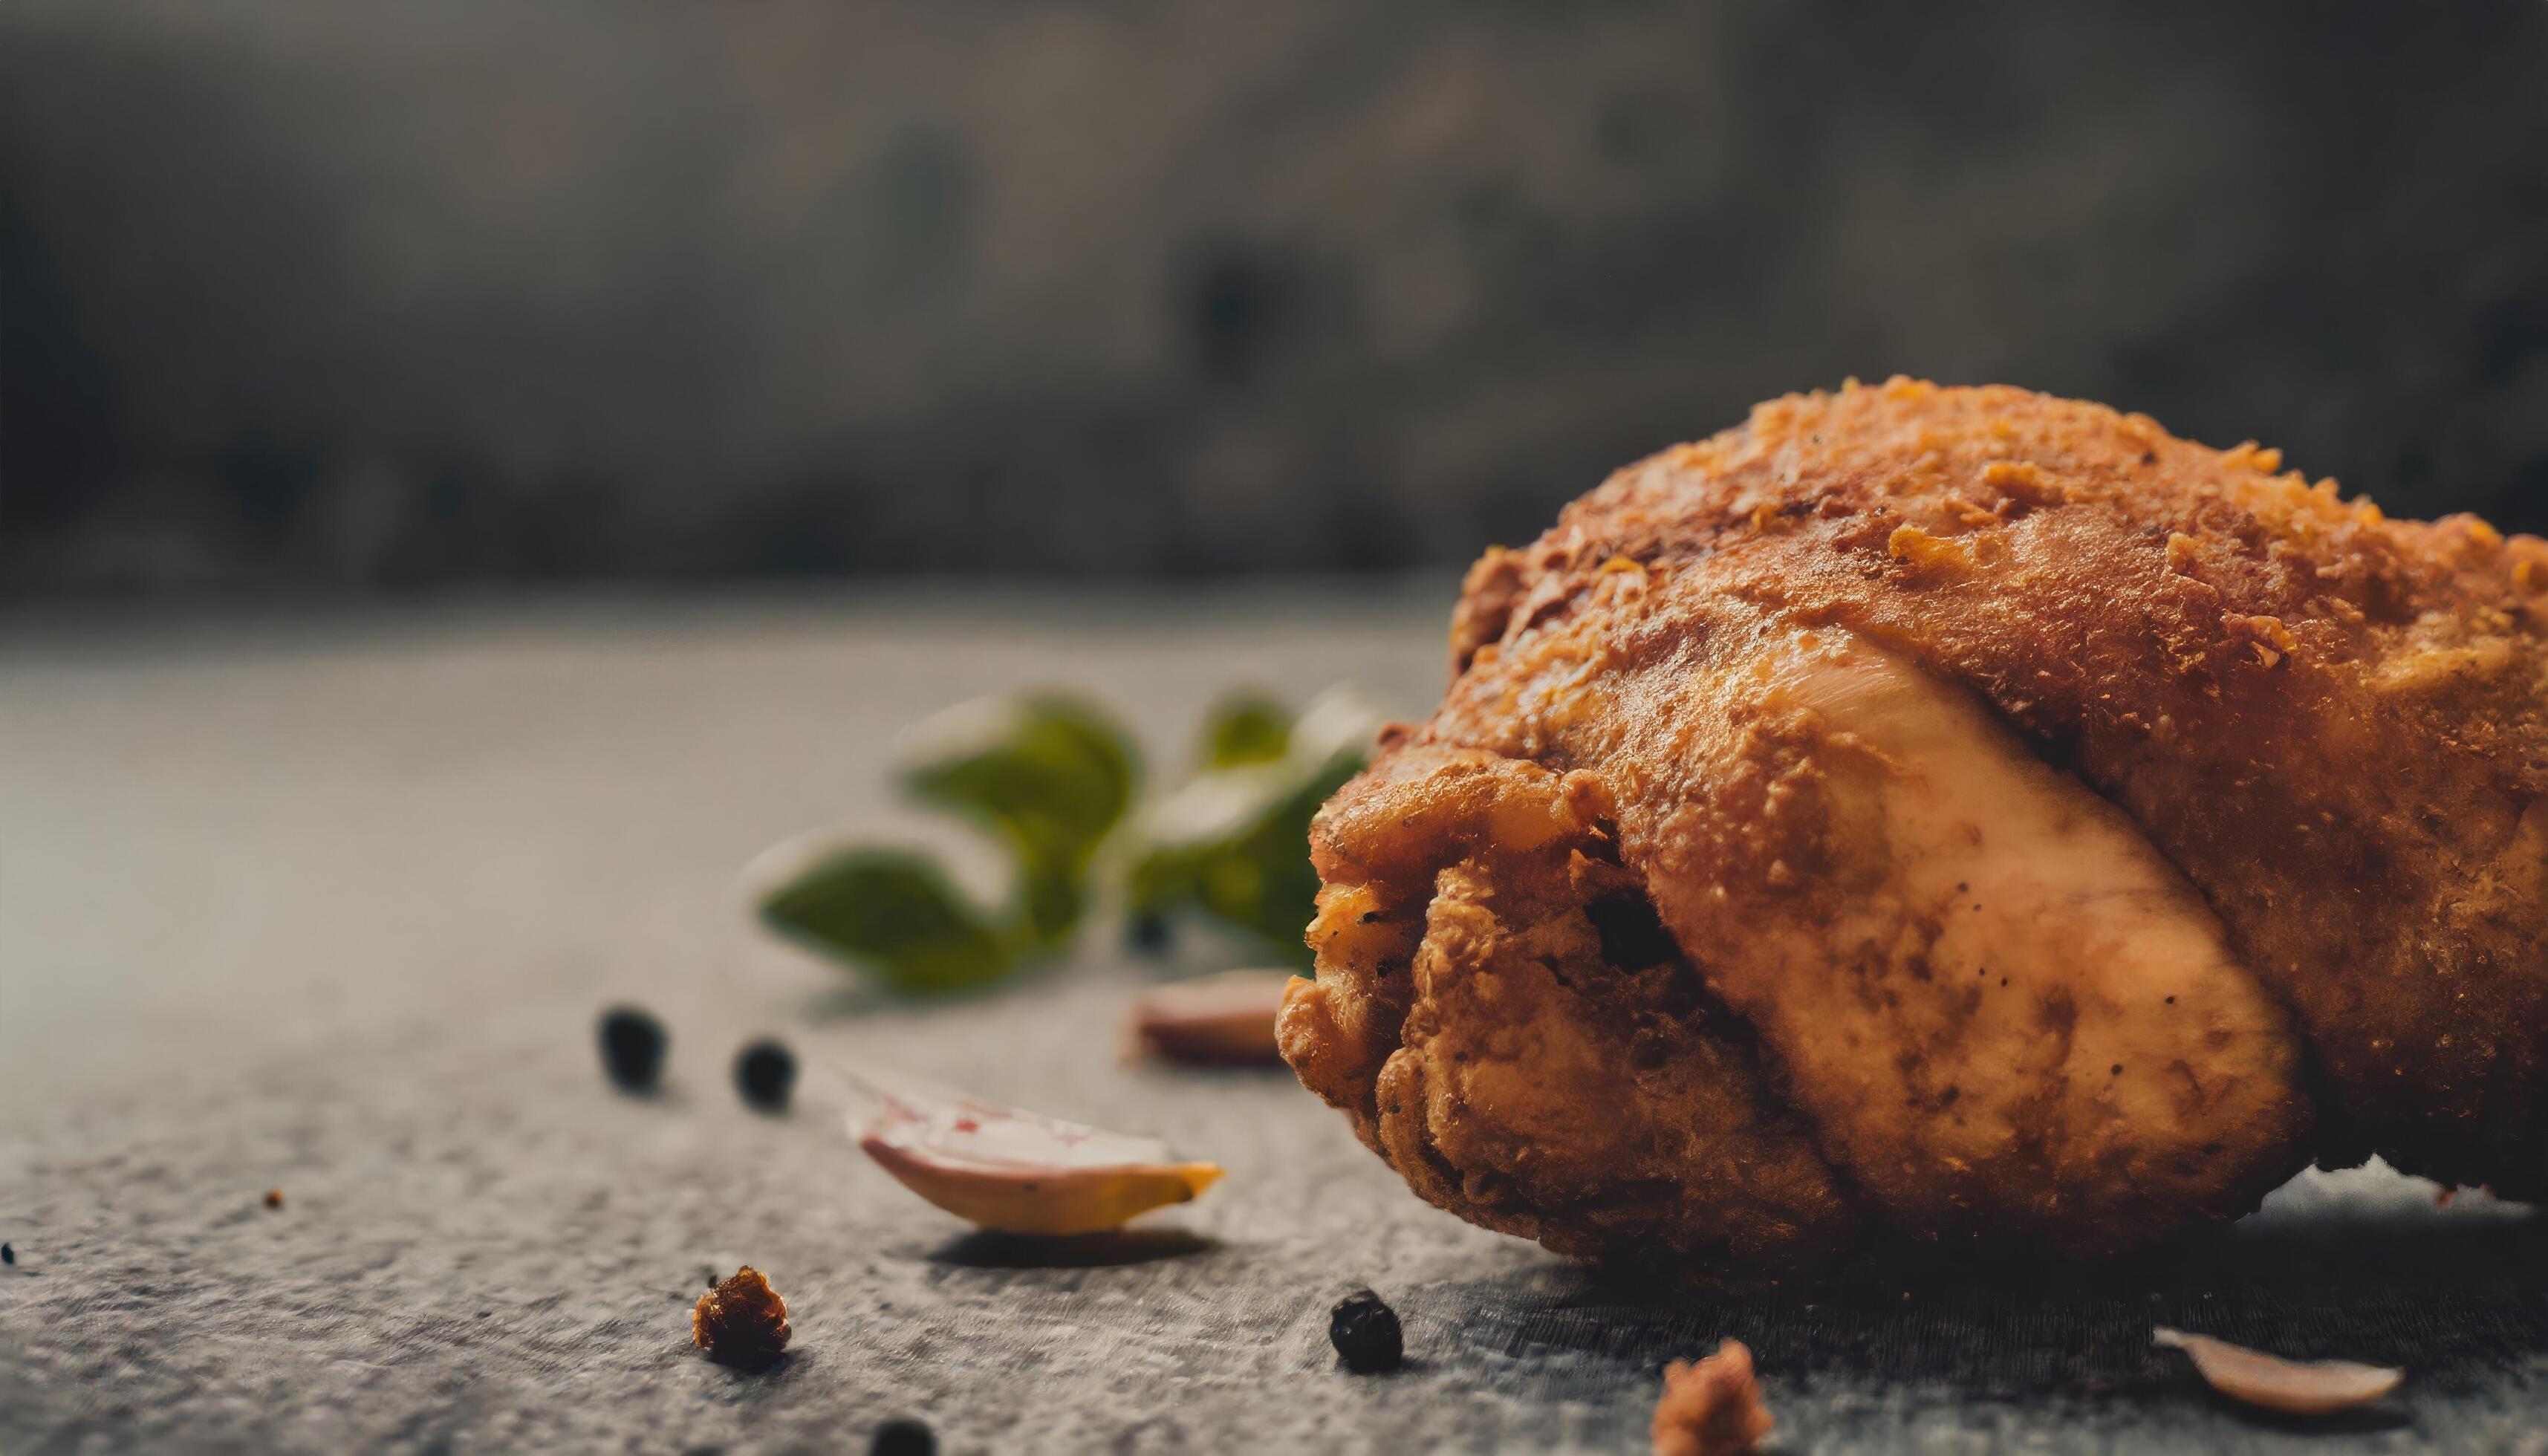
column 1712, row 1407
column 741, row 1322
column 274, row 1198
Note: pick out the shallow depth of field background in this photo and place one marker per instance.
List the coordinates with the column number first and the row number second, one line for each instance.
column 324, row 298
column 487, row 487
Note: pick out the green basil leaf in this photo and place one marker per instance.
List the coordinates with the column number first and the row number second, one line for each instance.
column 894, row 913
column 1234, row 844
column 1053, row 773
column 1050, row 774
column 1246, row 728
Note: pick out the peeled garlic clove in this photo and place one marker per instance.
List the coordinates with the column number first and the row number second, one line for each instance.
column 2299, row 1386
column 1017, row 1172
column 1213, row 1020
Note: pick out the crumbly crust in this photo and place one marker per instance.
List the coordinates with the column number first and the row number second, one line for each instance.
column 2327, row 723
column 742, row 1321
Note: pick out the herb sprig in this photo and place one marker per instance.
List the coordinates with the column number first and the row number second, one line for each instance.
column 1053, row 780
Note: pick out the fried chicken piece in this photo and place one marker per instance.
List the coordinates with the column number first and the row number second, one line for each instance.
column 1510, row 1027
column 2062, row 832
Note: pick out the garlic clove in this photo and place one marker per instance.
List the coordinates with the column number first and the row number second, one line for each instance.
column 1212, row 1020
column 1014, row 1171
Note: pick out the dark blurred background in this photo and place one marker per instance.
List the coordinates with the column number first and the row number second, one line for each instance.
column 377, row 294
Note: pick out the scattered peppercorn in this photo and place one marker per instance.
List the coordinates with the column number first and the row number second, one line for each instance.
column 1364, row 1329
column 765, row 1072
column 8, row 1255
column 632, row 1048
column 742, row 1323
column 903, row 1438
column 274, row 1198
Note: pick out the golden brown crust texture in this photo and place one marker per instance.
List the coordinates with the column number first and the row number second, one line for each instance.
column 1772, row 682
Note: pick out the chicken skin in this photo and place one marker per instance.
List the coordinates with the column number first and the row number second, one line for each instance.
column 1953, row 814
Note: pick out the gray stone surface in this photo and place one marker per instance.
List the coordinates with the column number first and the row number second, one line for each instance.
column 331, row 909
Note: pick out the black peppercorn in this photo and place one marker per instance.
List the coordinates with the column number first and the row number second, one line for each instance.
column 632, row 1048
column 1364, row 1330
column 8, row 1255
column 903, row 1438
column 765, row 1072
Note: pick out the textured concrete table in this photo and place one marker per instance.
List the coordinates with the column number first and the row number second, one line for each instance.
column 331, row 909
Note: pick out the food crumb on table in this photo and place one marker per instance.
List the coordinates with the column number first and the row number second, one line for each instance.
column 742, row 1323
column 274, row 1198
column 1712, row 1407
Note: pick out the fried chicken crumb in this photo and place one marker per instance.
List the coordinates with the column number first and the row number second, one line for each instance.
column 1712, row 1407
column 742, row 1323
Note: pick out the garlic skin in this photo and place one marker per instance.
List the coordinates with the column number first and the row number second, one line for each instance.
column 1222, row 1020
column 2293, row 1386
column 1014, row 1171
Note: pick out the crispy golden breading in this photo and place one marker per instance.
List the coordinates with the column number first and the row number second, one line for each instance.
column 2064, row 830
column 1510, row 1027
